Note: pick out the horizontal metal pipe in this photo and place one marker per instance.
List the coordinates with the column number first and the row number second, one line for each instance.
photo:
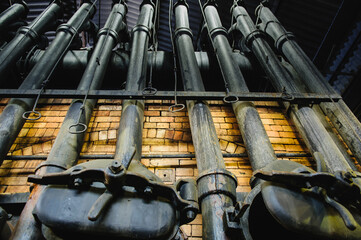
column 13, row 13
column 305, row 98
column 340, row 115
column 152, row 156
column 76, row 60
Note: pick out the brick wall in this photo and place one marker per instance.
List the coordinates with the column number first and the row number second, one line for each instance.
column 164, row 133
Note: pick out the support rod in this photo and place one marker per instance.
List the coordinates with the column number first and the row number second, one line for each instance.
column 313, row 132
column 76, row 60
column 208, row 153
column 340, row 115
column 131, row 122
column 13, row 13
column 26, row 37
column 257, row 143
column 11, row 119
column 67, row 145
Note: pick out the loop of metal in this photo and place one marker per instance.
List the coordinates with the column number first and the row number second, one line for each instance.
column 149, row 91
column 29, row 32
column 176, row 107
column 230, row 99
column 26, row 115
column 50, row 164
column 79, row 124
column 109, row 32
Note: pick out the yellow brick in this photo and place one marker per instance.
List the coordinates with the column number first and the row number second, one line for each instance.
column 165, row 148
column 231, row 147
column 162, row 125
column 184, row 172
column 103, row 135
column 196, row 230
column 223, row 144
column 160, row 133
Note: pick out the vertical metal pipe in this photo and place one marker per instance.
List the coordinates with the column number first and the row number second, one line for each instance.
column 341, row 116
column 257, row 143
column 310, row 127
column 13, row 13
column 131, row 122
column 67, row 146
column 209, row 157
column 28, row 36
column 11, row 120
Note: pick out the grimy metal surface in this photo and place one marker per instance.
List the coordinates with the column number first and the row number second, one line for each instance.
column 207, row 150
column 313, row 132
column 341, row 116
column 67, row 146
column 14, row 12
column 254, row 135
column 28, row 36
column 11, row 119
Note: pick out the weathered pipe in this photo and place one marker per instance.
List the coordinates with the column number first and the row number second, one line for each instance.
column 214, row 197
column 67, row 146
column 313, row 132
column 12, row 14
column 11, row 120
column 254, row 135
column 28, row 36
column 76, row 60
column 131, row 122
column 340, row 115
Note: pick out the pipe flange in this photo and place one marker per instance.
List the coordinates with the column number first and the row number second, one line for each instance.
column 218, row 30
column 183, row 30
column 67, row 28
column 252, row 36
column 218, row 181
column 111, row 32
column 282, row 39
column 143, row 28
column 26, row 30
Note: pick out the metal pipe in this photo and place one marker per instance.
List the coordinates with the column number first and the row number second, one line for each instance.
column 11, row 119
column 213, row 197
column 257, row 143
column 340, row 115
column 76, row 60
column 14, row 12
column 189, row 155
column 131, row 122
column 315, row 135
column 28, row 36
column 67, row 145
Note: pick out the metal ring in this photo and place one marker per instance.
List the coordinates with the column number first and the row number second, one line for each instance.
column 27, row 114
column 85, row 127
column 287, row 96
column 149, row 91
column 230, row 99
column 178, row 107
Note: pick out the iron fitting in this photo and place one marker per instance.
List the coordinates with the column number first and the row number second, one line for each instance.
column 282, row 39
column 218, row 181
column 67, row 28
column 141, row 28
column 26, row 30
column 252, row 36
column 110, row 32
column 183, row 30
column 218, row 30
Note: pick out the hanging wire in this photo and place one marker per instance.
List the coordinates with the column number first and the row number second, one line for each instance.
column 149, row 89
column 228, row 98
column 82, row 107
column 26, row 115
column 176, row 107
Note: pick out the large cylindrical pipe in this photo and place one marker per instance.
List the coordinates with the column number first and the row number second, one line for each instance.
column 313, row 132
column 131, row 122
column 11, row 119
column 341, row 116
column 13, row 13
column 76, row 60
column 257, row 143
column 67, row 146
column 27, row 36
column 210, row 162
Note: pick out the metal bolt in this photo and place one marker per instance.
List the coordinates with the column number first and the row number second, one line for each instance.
column 116, row 167
column 148, row 190
column 191, row 214
column 78, row 182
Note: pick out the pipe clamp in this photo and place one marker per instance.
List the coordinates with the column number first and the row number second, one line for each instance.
column 218, row 30
column 282, row 39
column 183, row 30
column 29, row 31
column 218, row 181
column 67, row 28
column 111, row 32
column 143, row 28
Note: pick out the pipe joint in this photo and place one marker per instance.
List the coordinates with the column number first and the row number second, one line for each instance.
column 67, row 28
column 110, row 32
column 283, row 38
column 183, row 30
column 218, row 181
column 28, row 31
column 140, row 28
